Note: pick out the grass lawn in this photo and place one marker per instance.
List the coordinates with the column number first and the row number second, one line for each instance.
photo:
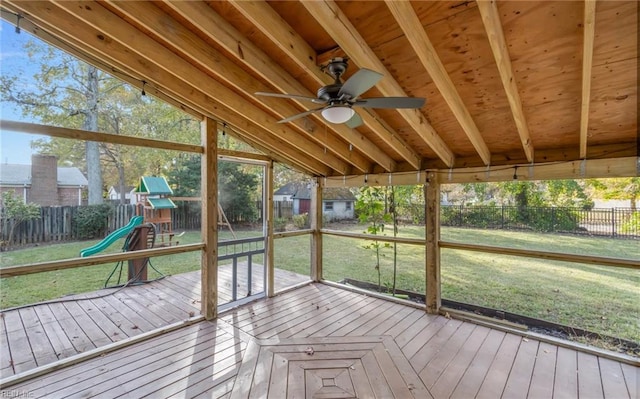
column 596, row 298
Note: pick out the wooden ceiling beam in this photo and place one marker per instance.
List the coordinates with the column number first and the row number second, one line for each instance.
column 329, row 15
column 116, row 71
column 225, row 35
column 493, row 26
column 275, row 28
column 587, row 62
column 413, row 30
column 108, row 51
column 136, row 43
column 587, row 169
column 561, row 154
column 191, row 47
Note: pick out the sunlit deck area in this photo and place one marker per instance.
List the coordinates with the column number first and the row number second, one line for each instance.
column 314, row 341
column 38, row 335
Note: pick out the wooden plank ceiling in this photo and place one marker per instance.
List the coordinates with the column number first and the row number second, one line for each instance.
column 506, row 83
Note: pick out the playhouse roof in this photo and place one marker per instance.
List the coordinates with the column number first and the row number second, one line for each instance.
column 153, row 185
column 161, row 203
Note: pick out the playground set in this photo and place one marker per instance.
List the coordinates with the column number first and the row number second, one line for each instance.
column 152, row 220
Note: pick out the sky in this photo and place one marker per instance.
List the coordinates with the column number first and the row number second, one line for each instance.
column 14, row 147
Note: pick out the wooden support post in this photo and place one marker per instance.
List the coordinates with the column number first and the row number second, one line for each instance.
column 209, row 189
column 270, row 283
column 432, row 218
column 316, row 236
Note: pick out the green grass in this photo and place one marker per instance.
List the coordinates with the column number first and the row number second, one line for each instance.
column 602, row 299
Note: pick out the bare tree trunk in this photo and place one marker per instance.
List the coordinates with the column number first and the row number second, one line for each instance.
column 94, row 172
column 121, row 183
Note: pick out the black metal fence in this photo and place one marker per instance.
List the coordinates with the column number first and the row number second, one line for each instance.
column 609, row 222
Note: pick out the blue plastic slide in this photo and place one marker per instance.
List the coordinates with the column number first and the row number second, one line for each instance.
column 113, row 237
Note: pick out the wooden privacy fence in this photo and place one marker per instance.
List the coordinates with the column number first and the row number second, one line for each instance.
column 57, row 223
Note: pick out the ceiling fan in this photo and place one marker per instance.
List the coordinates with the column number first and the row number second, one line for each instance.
column 339, row 98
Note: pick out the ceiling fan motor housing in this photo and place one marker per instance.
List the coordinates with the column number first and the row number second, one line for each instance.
column 329, row 92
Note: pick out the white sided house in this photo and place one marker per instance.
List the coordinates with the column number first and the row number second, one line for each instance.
column 129, row 195
column 337, row 203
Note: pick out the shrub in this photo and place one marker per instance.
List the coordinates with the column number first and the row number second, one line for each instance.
column 552, row 219
column 301, row 221
column 91, row 221
column 280, row 224
column 632, row 225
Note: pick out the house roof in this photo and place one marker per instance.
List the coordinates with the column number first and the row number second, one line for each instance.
column 71, row 177
column 328, row 194
column 153, row 185
column 503, row 81
column 18, row 174
column 290, row 188
column 127, row 189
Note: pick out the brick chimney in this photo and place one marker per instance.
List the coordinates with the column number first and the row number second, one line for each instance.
column 44, row 180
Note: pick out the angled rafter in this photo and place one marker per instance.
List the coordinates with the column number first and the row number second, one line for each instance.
column 225, row 35
column 329, row 15
column 493, row 26
column 117, row 72
column 198, row 52
column 274, row 27
column 110, row 52
column 407, row 19
column 587, row 61
column 141, row 45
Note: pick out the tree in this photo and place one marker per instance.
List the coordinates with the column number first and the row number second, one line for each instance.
column 69, row 93
column 184, row 176
column 64, row 93
column 17, row 211
column 627, row 188
column 370, row 206
column 237, row 189
column 237, row 185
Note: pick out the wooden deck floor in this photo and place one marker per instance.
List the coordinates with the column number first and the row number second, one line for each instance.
column 322, row 341
column 35, row 336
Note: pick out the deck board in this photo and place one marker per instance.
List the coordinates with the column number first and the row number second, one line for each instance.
column 522, row 369
column 448, row 357
column 445, row 384
column 613, row 382
column 40, row 344
column 566, row 380
column 543, row 376
column 494, row 381
column 42, row 334
column 469, row 383
column 589, row 376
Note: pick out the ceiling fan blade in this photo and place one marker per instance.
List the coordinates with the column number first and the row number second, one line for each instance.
column 360, row 82
column 354, row 122
column 391, row 102
column 294, row 96
column 300, row 115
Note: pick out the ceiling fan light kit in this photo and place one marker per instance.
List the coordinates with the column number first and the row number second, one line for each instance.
column 337, row 114
column 339, row 98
